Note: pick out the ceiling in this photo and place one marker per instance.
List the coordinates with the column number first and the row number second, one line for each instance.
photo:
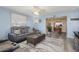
column 28, row 10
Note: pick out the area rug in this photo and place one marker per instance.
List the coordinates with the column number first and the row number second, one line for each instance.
column 50, row 44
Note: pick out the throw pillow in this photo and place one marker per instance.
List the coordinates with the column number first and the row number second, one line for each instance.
column 17, row 31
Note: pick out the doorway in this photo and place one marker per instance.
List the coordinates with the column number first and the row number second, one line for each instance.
column 59, row 25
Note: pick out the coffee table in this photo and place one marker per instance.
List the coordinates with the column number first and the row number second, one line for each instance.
column 35, row 38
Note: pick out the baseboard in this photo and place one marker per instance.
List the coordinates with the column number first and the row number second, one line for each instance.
column 3, row 40
column 71, row 38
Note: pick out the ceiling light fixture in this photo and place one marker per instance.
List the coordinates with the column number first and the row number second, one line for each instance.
column 37, row 10
column 36, row 13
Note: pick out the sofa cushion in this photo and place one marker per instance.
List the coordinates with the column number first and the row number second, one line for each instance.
column 23, row 31
column 17, row 31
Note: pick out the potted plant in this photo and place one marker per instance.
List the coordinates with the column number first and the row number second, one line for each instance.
column 49, row 28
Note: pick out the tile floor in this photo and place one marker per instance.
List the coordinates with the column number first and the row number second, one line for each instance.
column 53, row 43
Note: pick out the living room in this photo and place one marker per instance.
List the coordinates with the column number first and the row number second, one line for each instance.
column 33, row 18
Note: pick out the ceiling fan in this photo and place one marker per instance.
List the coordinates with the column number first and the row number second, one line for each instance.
column 37, row 10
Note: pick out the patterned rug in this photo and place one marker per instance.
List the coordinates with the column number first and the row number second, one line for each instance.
column 50, row 44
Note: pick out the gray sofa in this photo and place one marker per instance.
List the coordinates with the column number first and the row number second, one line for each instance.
column 18, row 34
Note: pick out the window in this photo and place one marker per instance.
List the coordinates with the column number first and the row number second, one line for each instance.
column 18, row 20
